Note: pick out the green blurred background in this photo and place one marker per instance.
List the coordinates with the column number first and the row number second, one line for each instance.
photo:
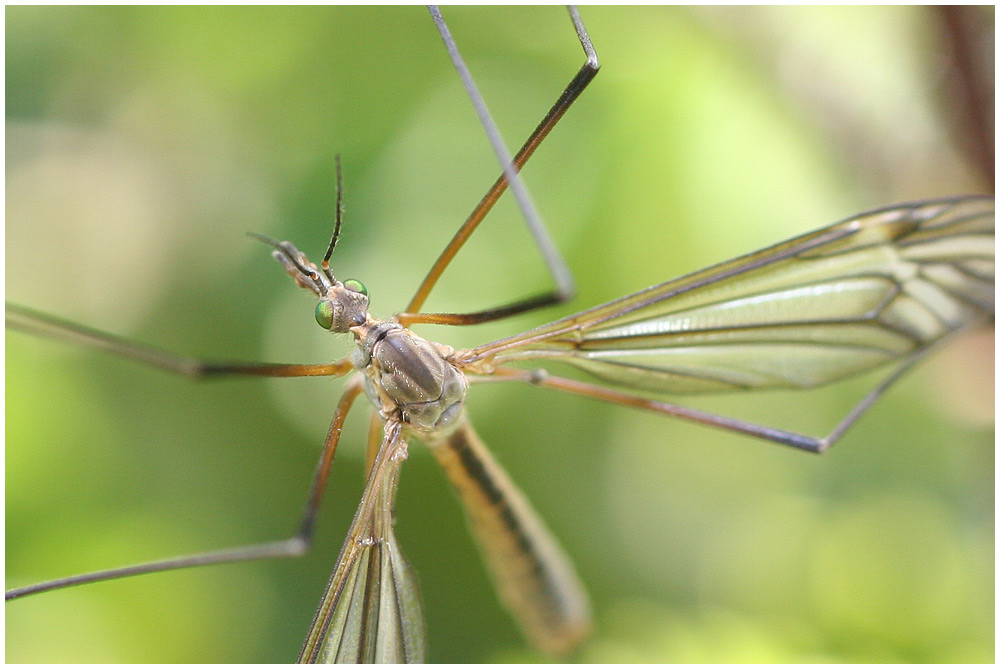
column 143, row 143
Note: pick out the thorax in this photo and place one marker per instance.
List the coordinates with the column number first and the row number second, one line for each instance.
column 408, row 377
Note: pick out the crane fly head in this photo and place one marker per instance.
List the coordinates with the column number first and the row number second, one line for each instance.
column 342, row 304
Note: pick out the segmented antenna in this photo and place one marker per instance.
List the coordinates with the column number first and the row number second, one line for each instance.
column 339, row 217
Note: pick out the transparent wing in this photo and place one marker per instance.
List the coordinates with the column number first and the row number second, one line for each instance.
column 817, row 308
column 371, row 611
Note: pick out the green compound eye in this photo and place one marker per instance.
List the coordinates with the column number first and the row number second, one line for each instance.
column 356, row 286
column 324, row 314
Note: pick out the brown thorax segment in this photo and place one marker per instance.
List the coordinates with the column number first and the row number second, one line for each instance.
column 409, row 377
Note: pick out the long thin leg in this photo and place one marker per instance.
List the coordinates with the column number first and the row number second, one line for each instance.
column 561, row 275
column 40, row 324
column 292, row 547
column 540, row 377
column 374, row 439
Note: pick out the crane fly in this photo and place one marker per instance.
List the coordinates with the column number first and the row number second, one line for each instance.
column 876, row 290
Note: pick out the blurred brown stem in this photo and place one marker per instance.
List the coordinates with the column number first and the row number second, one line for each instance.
column 967, row 32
